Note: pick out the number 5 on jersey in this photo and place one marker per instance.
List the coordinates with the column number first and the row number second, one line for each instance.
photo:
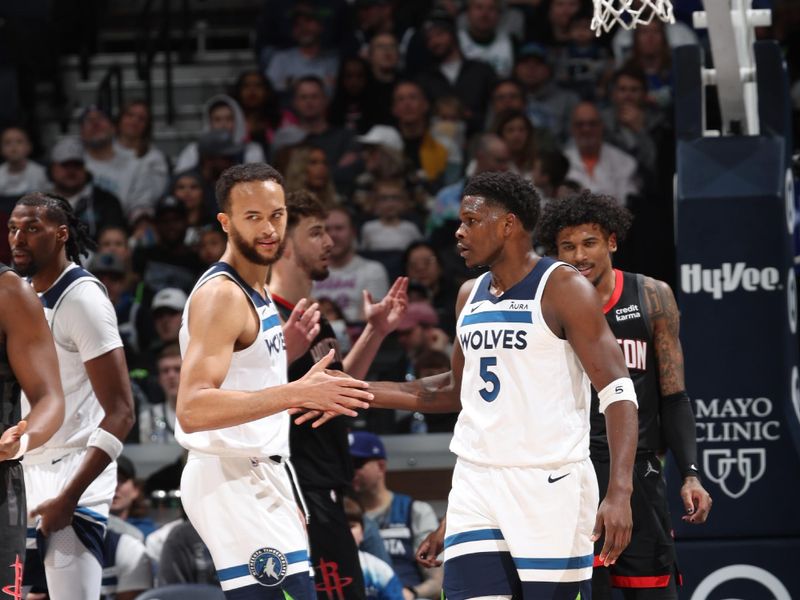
column 490, row 392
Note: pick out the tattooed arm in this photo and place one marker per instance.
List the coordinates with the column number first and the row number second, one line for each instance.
column 677, row 419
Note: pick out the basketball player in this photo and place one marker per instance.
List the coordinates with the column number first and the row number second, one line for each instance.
column 27, row 360
column 322, row 455
column 522, row 514
column 233, row 399
column 70, row 480
column 584, row 230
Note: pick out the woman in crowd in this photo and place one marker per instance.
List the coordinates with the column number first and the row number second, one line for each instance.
column 519, row 135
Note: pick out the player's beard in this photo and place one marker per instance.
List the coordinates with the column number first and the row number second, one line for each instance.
column 249, row 251
column 29, row 270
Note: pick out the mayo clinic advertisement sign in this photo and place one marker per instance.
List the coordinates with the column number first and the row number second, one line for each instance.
column 738, row 301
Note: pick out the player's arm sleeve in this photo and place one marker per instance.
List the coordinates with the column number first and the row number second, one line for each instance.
column 392, row 590
column 678, row 425
column 136, row 572
column 88, row 322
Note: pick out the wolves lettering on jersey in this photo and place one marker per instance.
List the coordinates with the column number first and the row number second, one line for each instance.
column 260, row 365
column 524, row 395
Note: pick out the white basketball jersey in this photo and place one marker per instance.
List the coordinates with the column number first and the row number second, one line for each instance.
column 260, row 365
column 524, row 395
column 84, row 326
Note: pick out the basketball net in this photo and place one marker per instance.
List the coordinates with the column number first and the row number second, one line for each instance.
column 629, row 13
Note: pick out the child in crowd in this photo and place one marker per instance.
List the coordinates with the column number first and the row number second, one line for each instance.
column 449, row 128
column 389, row 231
column 18, row 174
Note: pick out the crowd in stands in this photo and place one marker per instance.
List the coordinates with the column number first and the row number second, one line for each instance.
column 383, row 110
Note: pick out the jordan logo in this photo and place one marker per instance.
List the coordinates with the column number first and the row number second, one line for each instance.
column 651, row 469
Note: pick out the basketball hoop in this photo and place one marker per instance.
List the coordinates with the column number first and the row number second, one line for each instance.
column 629, row 13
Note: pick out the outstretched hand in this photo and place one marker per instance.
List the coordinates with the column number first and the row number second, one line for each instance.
column 300, row 329
column 384, row 316
column 330, row 394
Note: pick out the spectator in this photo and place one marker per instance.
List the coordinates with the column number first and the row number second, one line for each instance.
column 114, row 240
column 310, row 104
column 382, row 154
column 454, row 73
column 221, row 113
column 404, row 522
column 549, row 174
column 18, row 174
column 211, row 245
column 217, row 151
column 372, row 17
column 429, row 363
column 595, row 164
column 170, row 262
column 652, row 54
column 553, row 31
column 677, row 33
column 449, row 128
column 307, row 57
column 384, row 68
column 410, row 109
column 585, row 63
column 167, row 309
column 350, row 274
column 491, row 154
column 96, row 207
column 380, row 581
column 483, row 40
column 187, row 187
column 514, row 128
column 128, row 504
column 113, row 168
column 113, row 273
column 507, row 94
column 547, row 105
column 261, row 107
column 127, row 571
column 424, row 266
column 157, row 419
column 418, row 331
column 350, row 105
column 389, row 232
column 629, row 123
column 134, row 133
column 185, row 558
column 308, row 170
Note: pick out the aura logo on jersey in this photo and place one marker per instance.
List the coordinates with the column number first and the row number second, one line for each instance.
column 268, row 566
column 773, row 588
column 728, row 278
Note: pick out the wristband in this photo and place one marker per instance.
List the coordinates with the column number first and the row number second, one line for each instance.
column 619, row 389
column 107, row 442
column 23, row 446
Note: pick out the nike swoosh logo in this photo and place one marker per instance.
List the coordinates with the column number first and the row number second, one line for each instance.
column 551, row 479
column 475, row 307
column 56, row 460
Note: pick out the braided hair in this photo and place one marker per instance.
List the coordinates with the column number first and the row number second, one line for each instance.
column 59, row 210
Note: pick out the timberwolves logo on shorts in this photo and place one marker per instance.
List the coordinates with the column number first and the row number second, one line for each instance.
column 268, row 566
